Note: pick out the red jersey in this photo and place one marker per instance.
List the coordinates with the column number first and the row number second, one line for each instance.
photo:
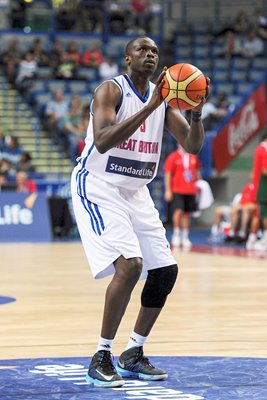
column 259, row 163
column 183, row 168
column 248, row 194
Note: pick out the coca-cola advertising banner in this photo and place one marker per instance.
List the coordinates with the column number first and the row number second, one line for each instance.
column 240, row 129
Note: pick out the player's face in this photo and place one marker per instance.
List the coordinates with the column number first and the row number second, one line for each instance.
column 143, row 56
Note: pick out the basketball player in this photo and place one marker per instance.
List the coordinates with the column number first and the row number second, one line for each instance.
column 119, row 226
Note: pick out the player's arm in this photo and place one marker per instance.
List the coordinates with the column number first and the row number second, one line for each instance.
column 107, row 133
column 191, row 136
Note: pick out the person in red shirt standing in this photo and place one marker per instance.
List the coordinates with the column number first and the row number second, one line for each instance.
column 181, row 171
column 260, row 182
column 24, row 184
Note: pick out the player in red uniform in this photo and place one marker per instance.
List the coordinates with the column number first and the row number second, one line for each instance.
column 181, row 173
column 260, row 182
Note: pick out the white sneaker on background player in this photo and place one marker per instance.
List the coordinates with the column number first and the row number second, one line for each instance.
column 186, row 243
column 176, row 241
column 260, row 245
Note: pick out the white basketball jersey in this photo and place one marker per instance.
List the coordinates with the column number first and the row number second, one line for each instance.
column 133, row 163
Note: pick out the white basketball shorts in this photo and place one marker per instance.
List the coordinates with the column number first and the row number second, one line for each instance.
column 114, row 222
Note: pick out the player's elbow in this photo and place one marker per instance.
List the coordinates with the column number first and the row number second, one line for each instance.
column 193, row 148
column 100, row 143
column 102, row 149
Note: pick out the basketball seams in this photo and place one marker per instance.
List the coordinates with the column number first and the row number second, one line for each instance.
column 178, row 86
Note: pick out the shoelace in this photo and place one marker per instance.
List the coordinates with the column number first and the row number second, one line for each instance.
column 106, row 362
column 144, row 360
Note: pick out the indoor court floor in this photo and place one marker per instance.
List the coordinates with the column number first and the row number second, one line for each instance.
column 211, row 337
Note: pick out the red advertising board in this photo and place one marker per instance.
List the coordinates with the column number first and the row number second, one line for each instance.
column 240, row 129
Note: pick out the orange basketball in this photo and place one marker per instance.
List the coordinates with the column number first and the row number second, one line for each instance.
column 184, row 86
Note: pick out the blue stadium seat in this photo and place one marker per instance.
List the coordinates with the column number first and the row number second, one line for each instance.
column 76, row 87
column 87, row 73
column 54, row 84
column 44, row 72
column 238, row 75
column 243, row 87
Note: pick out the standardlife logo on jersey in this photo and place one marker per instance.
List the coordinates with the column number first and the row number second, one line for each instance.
column 24, row 217
column 133, row 168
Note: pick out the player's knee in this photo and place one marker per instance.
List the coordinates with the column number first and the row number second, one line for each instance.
column 128, row 270
column 159, row 284
column 134, row 268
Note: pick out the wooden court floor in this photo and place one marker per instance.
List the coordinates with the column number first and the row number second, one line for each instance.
column 217, row 308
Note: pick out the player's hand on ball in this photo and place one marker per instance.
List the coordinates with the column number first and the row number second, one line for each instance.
column 156, row 98
column 200, row 106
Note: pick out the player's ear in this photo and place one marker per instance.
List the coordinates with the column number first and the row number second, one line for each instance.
column 127, row 59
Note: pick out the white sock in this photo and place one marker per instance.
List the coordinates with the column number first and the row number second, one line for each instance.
column 176, row 231
column 252, row 237
column 104, row 344
column 264, row 236
column 136, row 340
column 185, row 233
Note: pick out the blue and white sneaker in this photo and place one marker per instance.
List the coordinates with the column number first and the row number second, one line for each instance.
column 102, row 373
column 133, row 364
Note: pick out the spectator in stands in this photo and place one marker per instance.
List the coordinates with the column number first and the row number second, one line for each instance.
column 232, row 46
column 140, row 16
column 241, row 214
column 260, row 23
column 55, row 109
column 12, row 150
column 239, row 28
column 253, row 46
column 70, row 62
column 69, row 128
column 27, row 71
column 108, row 68
column 7, row 169
column 260, row 182
column 117, row 17
column 90, row 15
column 214, row 111
column 25, row 163
column 83, row 126
column 24, row 184
column 55, row 57
column 11, row 58
column 181, row 172
column 92, row 57
column 39, row 54
column 3, row 179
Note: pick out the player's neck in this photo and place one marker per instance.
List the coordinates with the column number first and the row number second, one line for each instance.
column 140, row 83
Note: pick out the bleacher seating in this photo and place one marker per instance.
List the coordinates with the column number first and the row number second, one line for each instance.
column 236, row 76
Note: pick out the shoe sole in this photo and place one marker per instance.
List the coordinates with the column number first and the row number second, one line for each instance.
column 144, row 377
column 104, row 384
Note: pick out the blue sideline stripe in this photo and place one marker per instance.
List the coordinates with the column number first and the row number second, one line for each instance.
column 99, row 216
column 89, row 204
column 95, row 215
column 82, row 186
column 91, row 218
column 81, row 180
